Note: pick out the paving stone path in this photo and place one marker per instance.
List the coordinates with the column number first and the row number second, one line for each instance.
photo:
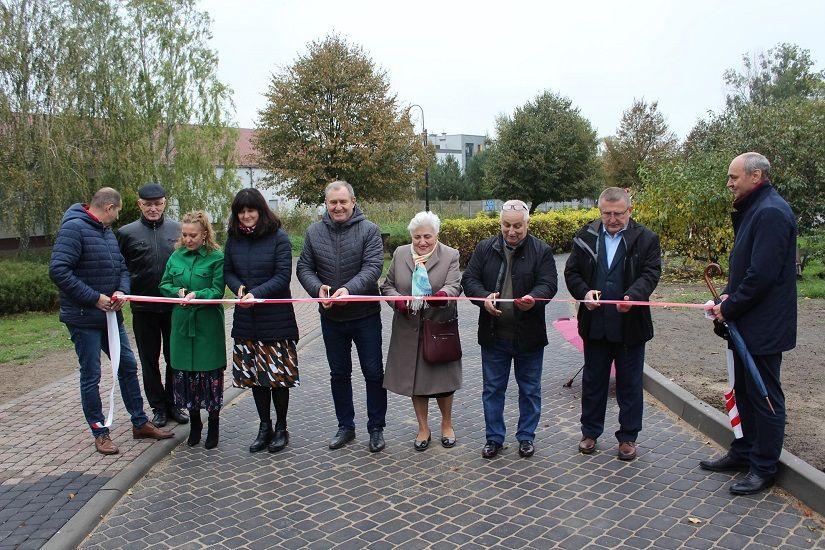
column 310, row 497
column 49, row 467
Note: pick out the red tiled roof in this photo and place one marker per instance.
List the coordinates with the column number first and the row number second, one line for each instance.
column 244, row 150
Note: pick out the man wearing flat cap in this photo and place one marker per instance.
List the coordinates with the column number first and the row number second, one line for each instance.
column 146, row 245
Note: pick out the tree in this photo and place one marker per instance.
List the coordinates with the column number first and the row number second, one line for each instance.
column 546, row 151
column 643, row 138
column 446, row 180
column 474, row 187
column 330, row 115
column 784, row 72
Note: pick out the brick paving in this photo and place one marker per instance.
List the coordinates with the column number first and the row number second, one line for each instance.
column 48, row 464
column 309, row 496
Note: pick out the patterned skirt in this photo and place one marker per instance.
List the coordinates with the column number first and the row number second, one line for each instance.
column 198, row 390
column 264, row 364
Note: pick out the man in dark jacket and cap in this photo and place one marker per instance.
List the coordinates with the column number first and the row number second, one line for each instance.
column 518, row 268
column 614, row 258
column 761, row 298
column 343, row 254
column 146, row 245
column 89, row 271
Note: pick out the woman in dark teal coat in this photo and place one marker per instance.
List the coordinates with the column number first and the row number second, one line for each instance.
column 198, row 343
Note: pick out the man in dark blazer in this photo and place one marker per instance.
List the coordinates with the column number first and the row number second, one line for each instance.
column 614, row 258
column 761, row 298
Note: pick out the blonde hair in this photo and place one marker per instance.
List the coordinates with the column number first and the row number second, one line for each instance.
column 202, row 218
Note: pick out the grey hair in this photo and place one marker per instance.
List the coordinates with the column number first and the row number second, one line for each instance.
column 515, row 204
column 425, row 219
column 756, row 161
column 104, row 197
column 615, row 194
column 338, row 184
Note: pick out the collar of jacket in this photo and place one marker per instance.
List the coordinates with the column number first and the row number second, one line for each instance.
column 754, row 196
column 589, row 238
column 498, row 244
column 202, row 251
column 430, row 262
column 357, row 216
column 150, row 224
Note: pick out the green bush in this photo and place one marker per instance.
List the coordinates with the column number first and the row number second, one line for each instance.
column 555, row 228
column 25, row 286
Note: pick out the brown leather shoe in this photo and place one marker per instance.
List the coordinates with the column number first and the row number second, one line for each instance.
column 627, row 450
column 150, row 431
column 105, row 445
column 587, row 446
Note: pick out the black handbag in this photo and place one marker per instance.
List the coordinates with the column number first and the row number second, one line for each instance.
column 441, row 341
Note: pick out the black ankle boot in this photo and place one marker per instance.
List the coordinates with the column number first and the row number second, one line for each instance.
column 279, row 441
column 212, row 431
column 263, row 439
column 195, row 427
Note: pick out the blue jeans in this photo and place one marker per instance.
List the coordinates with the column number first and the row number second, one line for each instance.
column 495, row 367
column 338, row 339
column 630, row 362
column 88, row 343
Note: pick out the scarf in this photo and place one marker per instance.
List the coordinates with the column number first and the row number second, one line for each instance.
column 246, row 230
column 420, row 281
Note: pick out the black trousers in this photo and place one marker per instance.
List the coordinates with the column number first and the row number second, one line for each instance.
column 152, row 332
column 630, row 360
column 762, row 430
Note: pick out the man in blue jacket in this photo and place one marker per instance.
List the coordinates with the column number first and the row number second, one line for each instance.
column 89, row 271
column 761, row 298
column 343, row 254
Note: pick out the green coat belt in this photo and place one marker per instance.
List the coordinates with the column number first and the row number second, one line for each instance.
column 198, row 340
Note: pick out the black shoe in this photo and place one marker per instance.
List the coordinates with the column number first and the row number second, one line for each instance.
column 178, row 416
column 752, row 484
column 491, row 449
column 279, row 441
column 724, row 464
column 526, row 449
column 341, row 438
column 195, row 427
column 447, row 442
column 159, row 419
column 377, row 441
column 212, row 431
column 419, row 445
column 263, row 438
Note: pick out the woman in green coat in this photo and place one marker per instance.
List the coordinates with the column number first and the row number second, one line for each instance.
column 198, row 343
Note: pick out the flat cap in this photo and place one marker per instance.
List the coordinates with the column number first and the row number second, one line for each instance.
column 151, row 191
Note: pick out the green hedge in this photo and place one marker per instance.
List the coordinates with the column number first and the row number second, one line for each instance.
column 556, row 228
column 25, row 286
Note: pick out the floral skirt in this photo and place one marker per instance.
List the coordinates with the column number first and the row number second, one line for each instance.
column 198, row 390
column 264, row 364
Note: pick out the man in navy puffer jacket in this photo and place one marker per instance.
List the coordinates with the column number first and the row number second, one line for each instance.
column 90, row 274
column 343, row 254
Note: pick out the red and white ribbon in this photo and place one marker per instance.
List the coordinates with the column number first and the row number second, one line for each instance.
column 730, row 399
column 113, row 334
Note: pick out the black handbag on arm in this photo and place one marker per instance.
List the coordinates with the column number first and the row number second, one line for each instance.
column 441, row 341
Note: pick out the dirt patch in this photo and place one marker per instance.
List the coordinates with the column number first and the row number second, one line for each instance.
column 16, row 379
column 686, row 351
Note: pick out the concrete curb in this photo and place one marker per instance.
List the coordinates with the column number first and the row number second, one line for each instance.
column 92, row 513
column 795, row 475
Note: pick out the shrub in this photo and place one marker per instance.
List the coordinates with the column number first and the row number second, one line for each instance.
column 555, row 228
column 25, row 286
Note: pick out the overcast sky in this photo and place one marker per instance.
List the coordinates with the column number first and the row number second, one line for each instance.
column 467, row 62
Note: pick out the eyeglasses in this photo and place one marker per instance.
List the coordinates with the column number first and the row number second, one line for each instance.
column 608, row 215
column 514, row 206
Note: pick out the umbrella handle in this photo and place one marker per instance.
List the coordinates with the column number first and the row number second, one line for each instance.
column 711, row 270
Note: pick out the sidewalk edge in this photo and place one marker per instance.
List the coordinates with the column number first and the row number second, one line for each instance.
column 92, row 513
column 795, row 475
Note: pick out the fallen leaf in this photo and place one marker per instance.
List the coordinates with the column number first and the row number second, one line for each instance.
column 72, row 495
column 694, row 521
column 129, row 492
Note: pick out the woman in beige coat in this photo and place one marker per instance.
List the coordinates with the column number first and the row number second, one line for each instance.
column 407, row 373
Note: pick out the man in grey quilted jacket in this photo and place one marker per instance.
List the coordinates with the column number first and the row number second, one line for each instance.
column 343, row 254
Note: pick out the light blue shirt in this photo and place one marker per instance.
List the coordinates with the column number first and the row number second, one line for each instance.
column 611, row 243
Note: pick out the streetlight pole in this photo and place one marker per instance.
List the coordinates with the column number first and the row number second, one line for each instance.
column 427, row 167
